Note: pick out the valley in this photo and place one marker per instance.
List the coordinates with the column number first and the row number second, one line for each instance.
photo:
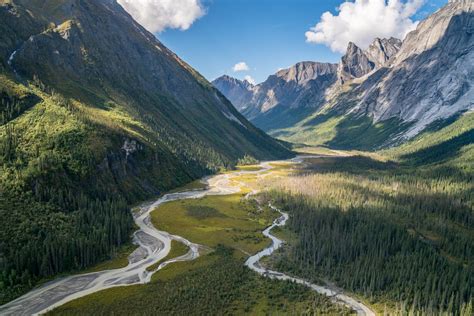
column 340, row 185
column 224, row 224
column 227, row 225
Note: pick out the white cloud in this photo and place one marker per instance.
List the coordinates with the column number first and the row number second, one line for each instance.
column 250, row 80
column 242, row 66
column 157, row 15
column 362, row 21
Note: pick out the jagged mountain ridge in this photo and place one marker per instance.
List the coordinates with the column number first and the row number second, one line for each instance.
column 285, row 96
column 293, row 93
column 395, row 88
column 239, row 91
column 357, row 63
column 432, row 76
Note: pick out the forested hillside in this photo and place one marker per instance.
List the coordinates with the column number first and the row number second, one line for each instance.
column 96, row 114
column 395, row 228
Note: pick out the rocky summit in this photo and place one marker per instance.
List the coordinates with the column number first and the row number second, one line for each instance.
column 405, row 86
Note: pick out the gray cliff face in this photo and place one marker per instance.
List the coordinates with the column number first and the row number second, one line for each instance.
column 354, row 64
column 431, row 77
column 357, row 63
column 427, row 77
column 381, row 50
column 289, row 87
column 300, row 86
column 237, row 91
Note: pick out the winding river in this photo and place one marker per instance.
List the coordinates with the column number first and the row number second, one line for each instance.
column 153, row 247
column 336, row 296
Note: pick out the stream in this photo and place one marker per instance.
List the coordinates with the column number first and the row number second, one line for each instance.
column 153, row 247
column 336, row 296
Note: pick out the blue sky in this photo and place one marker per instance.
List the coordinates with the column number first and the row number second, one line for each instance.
column 265, row 34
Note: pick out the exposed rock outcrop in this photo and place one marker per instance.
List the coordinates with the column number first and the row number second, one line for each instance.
column 357, row 63
column 283, row 96
column 432, row 76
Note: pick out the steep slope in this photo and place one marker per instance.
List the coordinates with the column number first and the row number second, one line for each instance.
column 432, row 76
column 287, row 96
column 96, row 114
column 429, row 79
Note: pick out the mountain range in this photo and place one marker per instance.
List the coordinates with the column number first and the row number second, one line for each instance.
column 374, row 97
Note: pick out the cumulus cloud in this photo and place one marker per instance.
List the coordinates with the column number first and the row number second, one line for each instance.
column 250, row 80
column 157, row 15
column 242, row 66
column 362, row 21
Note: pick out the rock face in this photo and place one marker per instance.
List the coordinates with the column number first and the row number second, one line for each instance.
column 357, row 63
column 302, row 85
column 238, row 91
column 381, row 50
column 281, row 98
column 431, row 77
column 427, row 77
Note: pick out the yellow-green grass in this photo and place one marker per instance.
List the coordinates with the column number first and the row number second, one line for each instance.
column 177, row 250
column 217, row 283
column 284, row 234
column 317, row 150
column 174, row 270
column 237, row 224
column 232, row 221
column 248, row 167
column 195, row 185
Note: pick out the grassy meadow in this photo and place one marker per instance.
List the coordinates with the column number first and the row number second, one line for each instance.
column 217, row 282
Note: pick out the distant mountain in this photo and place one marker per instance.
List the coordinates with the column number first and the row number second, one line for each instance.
column 284, row 97
column 239, row 91
column 384, row 94
column 96, row 114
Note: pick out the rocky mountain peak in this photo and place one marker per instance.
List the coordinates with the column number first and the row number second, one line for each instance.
column 432, row 76
column 354, row 63
column 303, row 72
column 231, row 80
column 433, row 29
column 357, row 63
column 381, row 50
column 237, row 91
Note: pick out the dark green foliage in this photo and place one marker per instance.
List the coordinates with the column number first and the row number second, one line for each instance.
column 368, row 252
column 223, row 287
column 11, row 107
column 361, row 133
column 92, row 124
column 396, row 232
column 442, row 151
column 247, row 160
